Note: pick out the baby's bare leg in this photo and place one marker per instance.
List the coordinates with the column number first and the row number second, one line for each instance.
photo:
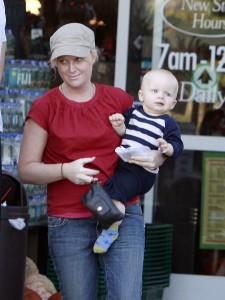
column 121, row 208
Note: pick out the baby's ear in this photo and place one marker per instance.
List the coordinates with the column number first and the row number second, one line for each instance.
column 173, row 104
column 140, row 95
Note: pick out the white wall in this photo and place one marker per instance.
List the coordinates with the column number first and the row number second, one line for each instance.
column 195, row 287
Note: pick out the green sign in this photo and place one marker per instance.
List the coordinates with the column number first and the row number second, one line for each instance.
column 212, row 230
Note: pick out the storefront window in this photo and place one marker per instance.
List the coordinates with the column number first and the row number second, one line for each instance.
column 190, row 195
column 29, row 31
column 187, row 38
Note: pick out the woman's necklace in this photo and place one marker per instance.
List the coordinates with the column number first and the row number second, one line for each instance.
column 65, row 95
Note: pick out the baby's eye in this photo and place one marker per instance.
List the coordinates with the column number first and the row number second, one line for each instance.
column 168, row 94
column 154, row 91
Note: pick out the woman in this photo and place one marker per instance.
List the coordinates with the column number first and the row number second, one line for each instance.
column 68, row 141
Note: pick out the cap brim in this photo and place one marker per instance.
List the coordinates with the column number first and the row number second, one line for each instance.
column 68, row 50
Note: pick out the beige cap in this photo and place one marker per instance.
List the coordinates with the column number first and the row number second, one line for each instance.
column 72, row 39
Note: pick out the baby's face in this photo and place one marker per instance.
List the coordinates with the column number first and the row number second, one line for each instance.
column 158, row 93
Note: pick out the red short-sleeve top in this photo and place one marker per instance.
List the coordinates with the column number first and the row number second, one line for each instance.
column 77, row 130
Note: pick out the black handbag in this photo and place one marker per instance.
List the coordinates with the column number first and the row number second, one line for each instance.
column 101, row 205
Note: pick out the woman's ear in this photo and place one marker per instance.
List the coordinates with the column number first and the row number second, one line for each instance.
column 140, row 95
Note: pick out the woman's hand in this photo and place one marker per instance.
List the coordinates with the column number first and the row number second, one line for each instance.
column 31, row 168
column 154, row 160
column 77, row 173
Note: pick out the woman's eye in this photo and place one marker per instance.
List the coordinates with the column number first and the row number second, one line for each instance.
column 78, row 59
column 62, row 61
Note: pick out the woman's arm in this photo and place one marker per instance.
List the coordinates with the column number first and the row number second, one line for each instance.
column 32, row 170
column 30, row 166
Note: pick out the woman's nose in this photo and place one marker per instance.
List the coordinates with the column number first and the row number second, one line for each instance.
column 72, row 67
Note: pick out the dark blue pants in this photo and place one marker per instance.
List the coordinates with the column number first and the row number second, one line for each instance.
column 129, row 180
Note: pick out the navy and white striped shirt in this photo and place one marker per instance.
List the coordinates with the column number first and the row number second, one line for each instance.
column 144, row 129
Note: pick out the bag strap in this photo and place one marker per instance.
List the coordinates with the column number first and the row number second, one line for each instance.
column 12, row 184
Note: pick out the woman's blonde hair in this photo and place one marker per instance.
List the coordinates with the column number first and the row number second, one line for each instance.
column 93, row 53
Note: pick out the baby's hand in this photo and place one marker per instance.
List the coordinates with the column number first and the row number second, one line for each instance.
column 162, row 145
column 116, row 119
column 165, row 148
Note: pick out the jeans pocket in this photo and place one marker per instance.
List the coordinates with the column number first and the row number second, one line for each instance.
column 54, row 222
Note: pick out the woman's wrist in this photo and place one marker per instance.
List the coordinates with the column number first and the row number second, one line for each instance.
column 62, row 174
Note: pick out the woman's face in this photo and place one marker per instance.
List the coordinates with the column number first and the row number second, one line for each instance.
column 75, row 71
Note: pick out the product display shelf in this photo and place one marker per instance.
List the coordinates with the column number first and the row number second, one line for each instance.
column 23, row 82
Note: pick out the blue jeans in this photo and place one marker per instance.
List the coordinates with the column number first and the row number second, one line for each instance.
column 77, row 266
